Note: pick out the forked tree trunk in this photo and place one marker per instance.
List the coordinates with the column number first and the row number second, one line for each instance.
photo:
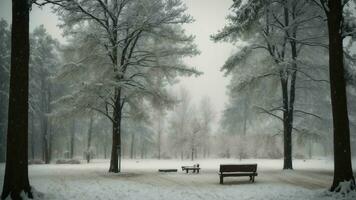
column 342, row 152
column 16, row 171
column 115, row 160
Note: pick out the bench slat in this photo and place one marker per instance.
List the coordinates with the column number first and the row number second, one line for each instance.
column 238, row 168
column 238, row 174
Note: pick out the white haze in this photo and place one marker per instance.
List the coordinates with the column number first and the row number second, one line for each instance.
column 209, row 18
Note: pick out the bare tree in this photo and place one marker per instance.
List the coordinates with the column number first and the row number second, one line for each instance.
column 128, row 28
column 279, row 24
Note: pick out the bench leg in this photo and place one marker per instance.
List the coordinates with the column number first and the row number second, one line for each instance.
column 221, row 180
column 253, row 179
column 186, row 171
column 250, row 178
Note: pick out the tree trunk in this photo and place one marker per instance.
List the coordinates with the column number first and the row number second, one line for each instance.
column 142, row 149
column 3, row 121
column 288, row 97
column 2, row 142
column 245, row 116
column 159, row 138
column 16, row 171
column 46, row 109
column 90, row 129
column 50, row 142
column 290, row 109
column 342, row 152
column 132, row 146
column 105, row 145
column 4, row 79
column 44, row 129
column 287, row 135
column 310, row 149
column 115, row 161
column 72, row 138
column 44, row 120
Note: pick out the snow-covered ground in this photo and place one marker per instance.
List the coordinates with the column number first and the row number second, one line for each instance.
column 140, row 179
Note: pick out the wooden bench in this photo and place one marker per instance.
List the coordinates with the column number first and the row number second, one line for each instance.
column 194, row 168
column 238, row 170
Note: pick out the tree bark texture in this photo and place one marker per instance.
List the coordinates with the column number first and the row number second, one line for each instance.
column 342, row 152
column 16, row 171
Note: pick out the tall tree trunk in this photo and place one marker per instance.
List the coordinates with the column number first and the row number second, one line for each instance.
column 2, row 142
column 310, row 149
column 142, row 149
column 3, row 122
column 50, row 125
column 72, row 139
column 44, row 121
column 132, row 145
column 90, row 130
column 245, row 116
column 342, row 152
column 288, row 98
column 44, row 129
column 16, row 171
column 105, row 146
column 115, row 160
column 50, row 141
column 3, row 116
column 159, row 136
column 287, row 135
column 46, row 108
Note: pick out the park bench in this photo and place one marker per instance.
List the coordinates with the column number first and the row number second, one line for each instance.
column 238, row 170
column 194, row 168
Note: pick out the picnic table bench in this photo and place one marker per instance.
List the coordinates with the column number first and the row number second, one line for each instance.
column 194, row 168
column 238, row 170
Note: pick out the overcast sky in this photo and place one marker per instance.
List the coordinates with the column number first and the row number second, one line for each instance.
column 209, row 17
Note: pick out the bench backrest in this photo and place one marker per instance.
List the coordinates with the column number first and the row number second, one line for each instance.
column 238, row 168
